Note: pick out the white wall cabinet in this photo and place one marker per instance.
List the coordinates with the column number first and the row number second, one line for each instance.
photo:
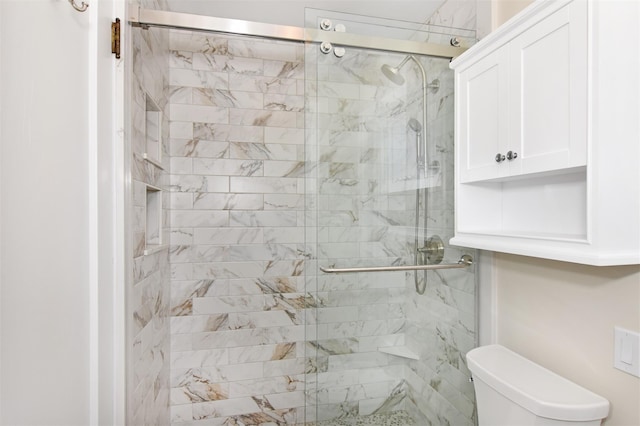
column 538, row 102
column 524, row 105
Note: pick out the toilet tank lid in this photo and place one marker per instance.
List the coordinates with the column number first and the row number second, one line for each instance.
column 533, row 387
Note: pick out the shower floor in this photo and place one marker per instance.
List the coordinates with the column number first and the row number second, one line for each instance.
column 396, row 418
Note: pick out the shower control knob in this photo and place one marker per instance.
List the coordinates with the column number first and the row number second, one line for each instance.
column 512, row 155
column 500, row 158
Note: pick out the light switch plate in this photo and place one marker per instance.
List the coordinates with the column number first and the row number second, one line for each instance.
column 627, row 351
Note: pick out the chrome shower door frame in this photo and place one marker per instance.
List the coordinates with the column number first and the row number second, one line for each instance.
column 160, row 18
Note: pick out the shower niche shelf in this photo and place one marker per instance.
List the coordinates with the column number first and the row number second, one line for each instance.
column 547, row 136
column 400, row 351
column 153, row 226
column 153, row 133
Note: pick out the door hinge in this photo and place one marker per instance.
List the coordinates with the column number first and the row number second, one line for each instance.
column 115, row 38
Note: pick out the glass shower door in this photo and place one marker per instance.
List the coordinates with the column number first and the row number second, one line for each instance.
column 378, row 185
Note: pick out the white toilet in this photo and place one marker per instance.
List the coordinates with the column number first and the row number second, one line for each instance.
column 513, row 391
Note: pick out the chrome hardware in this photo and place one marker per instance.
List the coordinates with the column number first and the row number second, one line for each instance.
column 464, row 262
column 500, row 158
column 326, row 24
column 512, row 155
column 340, row 28
column 339, row 51
column 433, row 250
column 454, row 42
column 139, row 16
column 80, row 8
column 325, row 47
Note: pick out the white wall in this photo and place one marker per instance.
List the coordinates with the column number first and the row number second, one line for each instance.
column 57, row 215
column 562, row 315
column 45, row 246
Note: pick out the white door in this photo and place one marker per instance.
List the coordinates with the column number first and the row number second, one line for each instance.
column 548, row 86
column 482, row 111
column 57, row 185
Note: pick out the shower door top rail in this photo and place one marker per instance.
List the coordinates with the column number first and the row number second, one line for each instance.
column 160, row 18
column 464, row 262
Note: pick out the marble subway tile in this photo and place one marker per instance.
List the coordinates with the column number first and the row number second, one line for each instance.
column 283, row 135
column 213, row 305
column 228, row 236
column 224, row 167
column 260, row 353
column 222, row 270
column 284, row 202
column 201, row 79
column 198, row 42
column 284, row 169
column 265, row 285
column 284, row 86
column 180, row 59
column 192, row 183
column 228, row 201
column 200, row 113
column 181, row 236
column 247, row 117
column 199, row 218
column 230, row 64
column 283, row 69
column 226, row 98
column 260, row 151
column 264, row 185
column 268, row 50
column 198, row 148
column 271, row 385
column 286, row 400
column 228, row 133
column 262, row 218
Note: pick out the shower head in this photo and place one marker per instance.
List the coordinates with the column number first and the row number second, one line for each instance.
column 393, row 73
column 415, row 125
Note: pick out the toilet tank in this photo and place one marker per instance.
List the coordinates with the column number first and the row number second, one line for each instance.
column 512, row 390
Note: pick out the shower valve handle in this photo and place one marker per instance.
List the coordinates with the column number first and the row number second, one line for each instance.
column 500, row 158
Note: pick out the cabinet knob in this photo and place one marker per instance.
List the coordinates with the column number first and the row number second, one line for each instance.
column 511, row 155
column 500, row 158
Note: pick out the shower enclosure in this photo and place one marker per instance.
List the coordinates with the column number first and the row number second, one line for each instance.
column 265, row 171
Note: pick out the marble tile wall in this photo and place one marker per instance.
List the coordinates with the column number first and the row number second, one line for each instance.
column 148, row 289
column 237, row 250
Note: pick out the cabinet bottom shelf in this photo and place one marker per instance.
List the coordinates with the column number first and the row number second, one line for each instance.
column 573, row 251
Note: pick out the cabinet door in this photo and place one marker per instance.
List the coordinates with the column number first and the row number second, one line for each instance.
column 482, row 112
column 548, row 88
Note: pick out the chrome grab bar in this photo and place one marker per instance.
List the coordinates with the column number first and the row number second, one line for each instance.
column 464, row 262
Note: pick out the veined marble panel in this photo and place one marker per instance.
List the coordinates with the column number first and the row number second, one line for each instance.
column 198, row 148
column 227, row 133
